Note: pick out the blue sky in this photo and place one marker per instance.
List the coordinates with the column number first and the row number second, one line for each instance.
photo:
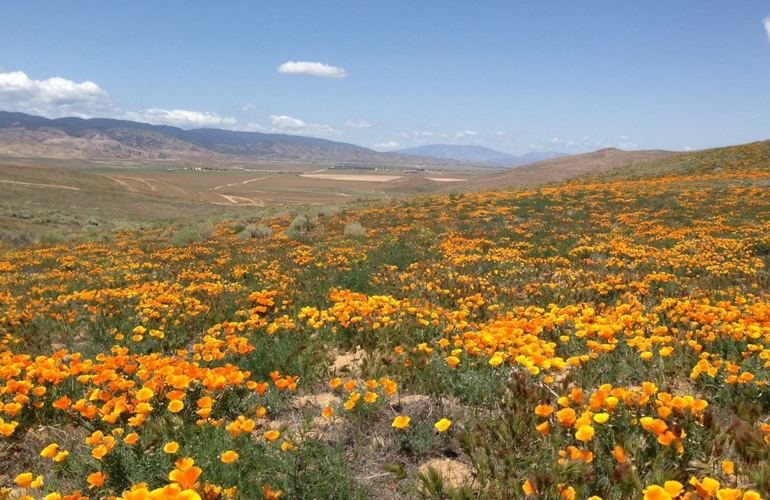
column 516, row 76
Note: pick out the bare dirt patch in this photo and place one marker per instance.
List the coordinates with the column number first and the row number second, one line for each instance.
column 321, row 399
column 349, row 362
column 352, row 177
column 446, row 179
column 453, row 472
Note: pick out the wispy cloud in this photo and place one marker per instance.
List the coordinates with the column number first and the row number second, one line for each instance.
column 426, row 136
column 311, row 69
column 252, row 127
column 766, row 23
column 465, row 134
column 358, row 124
column 586, row 143
column 181, row 118
column 290, row 125
column 53, row 97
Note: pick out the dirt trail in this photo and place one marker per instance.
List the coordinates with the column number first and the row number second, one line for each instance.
column 154, row 185
column 145, row 182
column 122, row 183
column 237, row 183
column 37, row 184
column 238, row 200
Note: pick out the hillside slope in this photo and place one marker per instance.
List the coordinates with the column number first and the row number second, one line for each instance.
column 559, row 169
column 755, row 155
column 593, row 338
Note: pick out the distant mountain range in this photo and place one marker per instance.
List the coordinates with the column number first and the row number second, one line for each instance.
column 478, row 154
column 23, row 135
column 102, row 138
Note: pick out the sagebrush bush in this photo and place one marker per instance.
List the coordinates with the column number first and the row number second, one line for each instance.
column 192, row 233
column 354, row 230
column 262, row 232
column 52, row 237
column 253, row 231
column 301, row 226
column 326, row 211
column 17, row 238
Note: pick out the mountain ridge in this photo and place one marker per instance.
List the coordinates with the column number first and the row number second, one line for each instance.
column 27, row 135
column 470, row 152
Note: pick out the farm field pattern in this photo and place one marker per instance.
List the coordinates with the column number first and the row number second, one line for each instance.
column 599, row 338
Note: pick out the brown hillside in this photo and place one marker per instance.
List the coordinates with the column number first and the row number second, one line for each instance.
column 50, row 142
column 567, row 167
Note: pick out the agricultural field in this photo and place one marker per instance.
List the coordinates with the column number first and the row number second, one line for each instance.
column 68, row 198
column 605, row 337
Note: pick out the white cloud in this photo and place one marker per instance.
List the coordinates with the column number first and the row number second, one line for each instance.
column 426, row 136
column 286, row 122
column 248, row 106
column 311, row 69
column 358, row 124
column 290, row 125
column 386, row 145
column 54, row 97
column 252, row 127
column 766, row 23
column 181, row 118
column 428, row 133
column 464, row 134
column 586, row 143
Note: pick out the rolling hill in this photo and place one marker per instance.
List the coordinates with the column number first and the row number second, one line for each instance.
column 743, row 157
column 567, row 167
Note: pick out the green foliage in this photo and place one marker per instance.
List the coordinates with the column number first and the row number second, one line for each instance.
column 192, row 233
column 301, row 226
column 253, row 231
